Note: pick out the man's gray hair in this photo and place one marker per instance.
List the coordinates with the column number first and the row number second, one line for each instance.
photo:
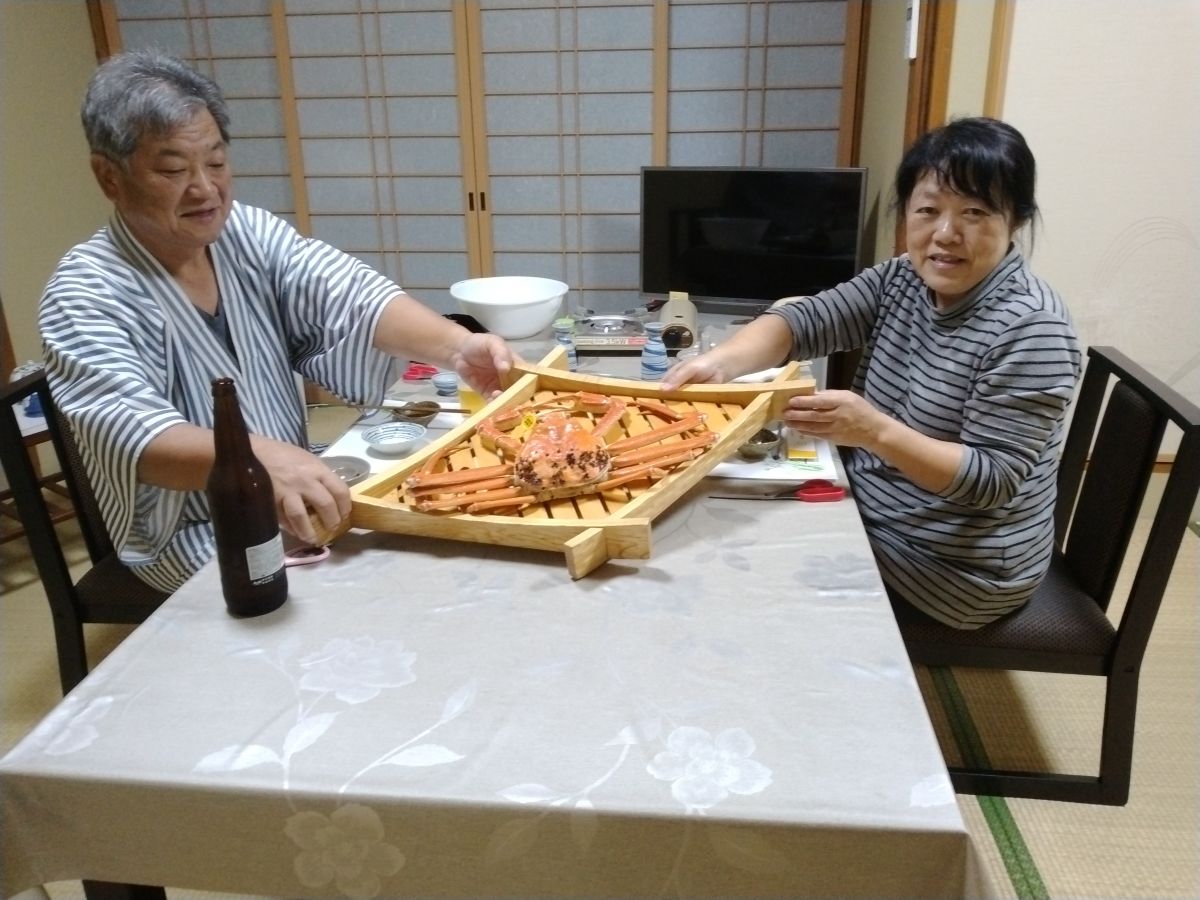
column 143, row 93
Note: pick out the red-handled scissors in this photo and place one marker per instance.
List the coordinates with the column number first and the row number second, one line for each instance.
column 816, row 491
column 819, row 491
column 419, row 371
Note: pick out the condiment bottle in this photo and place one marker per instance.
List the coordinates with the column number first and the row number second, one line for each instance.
column 563, row 335
column 654, row 353
column 242, row 505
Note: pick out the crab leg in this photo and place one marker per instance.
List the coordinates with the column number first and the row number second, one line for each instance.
column 432, row 463
column 659, row 409
column 645, row 454
column 615, row 410
column 503, row 497
column 656, row 469
column 458, row 476
column 499, row 503
column 470, row 487
column 650, row 437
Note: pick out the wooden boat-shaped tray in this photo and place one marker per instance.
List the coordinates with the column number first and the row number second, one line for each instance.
column 589, row 529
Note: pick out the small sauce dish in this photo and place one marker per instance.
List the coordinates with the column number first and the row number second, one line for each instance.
column 421, row 412
column 762, row 444
column 350, row 469
column 394, row 439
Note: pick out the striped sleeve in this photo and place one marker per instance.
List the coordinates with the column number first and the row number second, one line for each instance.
column 329, row 304
column 1025, row 383
column 841, row 318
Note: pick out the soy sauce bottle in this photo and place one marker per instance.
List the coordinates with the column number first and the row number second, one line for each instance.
column 242, row 502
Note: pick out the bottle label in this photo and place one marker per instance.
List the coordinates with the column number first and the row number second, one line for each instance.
column 263, row 561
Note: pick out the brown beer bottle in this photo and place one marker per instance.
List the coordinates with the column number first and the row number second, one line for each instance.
column 242, row 503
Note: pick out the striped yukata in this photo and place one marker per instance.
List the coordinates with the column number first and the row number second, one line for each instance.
column 996, row 373
column 128, row 356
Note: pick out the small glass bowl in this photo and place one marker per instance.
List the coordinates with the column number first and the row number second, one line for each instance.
column 394, row 439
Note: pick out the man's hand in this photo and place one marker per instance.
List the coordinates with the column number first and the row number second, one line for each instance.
column 480, row 359
column 302, row 483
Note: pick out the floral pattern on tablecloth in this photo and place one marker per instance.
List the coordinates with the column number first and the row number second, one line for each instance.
column 704, row 770
column 346, row 848
column 356, row 670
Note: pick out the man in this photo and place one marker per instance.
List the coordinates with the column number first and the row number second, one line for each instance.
column 186, row 285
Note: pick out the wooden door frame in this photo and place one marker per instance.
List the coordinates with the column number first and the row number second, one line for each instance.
column 106, row 35
column 929, row 73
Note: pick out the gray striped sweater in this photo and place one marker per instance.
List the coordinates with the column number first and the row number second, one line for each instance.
column 128, row 356
column 996, row 373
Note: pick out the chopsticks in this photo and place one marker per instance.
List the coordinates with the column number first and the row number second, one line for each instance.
column 363, row 409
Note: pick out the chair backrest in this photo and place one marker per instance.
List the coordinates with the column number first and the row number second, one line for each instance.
column 26, row 484
column 87, row 509
column 1100, row 499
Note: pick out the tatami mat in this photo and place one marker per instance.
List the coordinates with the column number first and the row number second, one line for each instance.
column 1147, row 849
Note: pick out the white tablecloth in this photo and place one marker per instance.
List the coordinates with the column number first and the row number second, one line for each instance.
column 734, row 716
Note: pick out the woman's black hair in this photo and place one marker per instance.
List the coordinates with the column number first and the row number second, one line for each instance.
column 976, row 157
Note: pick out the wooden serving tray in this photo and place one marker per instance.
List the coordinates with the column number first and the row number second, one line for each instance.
column 588, row 529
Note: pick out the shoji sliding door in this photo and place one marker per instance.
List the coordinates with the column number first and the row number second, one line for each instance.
column 440, row 139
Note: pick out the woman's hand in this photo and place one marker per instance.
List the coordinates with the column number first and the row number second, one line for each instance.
column 846, row 419
column 703, row 369
column 841, row 417
column 756, row 345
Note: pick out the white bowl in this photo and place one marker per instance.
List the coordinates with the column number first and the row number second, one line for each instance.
column 394, row 439
column 512, row 306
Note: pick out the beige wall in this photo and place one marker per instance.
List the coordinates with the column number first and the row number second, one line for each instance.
column 969, row 58
column 1107, row 94
column 48, row 199
column 884, row 98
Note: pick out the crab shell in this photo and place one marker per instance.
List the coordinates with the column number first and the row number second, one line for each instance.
column 560, row 455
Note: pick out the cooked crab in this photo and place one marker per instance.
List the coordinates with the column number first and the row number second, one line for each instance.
column 561, row 449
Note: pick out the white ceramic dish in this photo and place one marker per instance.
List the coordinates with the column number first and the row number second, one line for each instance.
column 394, row 439
column 512, row 306
column 350, row 469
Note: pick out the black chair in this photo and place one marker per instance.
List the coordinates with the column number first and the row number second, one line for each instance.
column 1066, row 625
column 108, row 591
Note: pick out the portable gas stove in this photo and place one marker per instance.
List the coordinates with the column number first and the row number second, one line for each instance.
column 609, row 334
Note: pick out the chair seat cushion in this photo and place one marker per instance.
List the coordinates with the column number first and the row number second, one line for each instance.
column 1060, row 629
column 109, row 592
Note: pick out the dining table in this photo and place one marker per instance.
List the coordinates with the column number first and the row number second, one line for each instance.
column 733, row 716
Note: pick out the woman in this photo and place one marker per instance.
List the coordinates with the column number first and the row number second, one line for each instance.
column 955, row 417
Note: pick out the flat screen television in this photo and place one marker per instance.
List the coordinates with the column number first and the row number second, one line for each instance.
column 744, row 237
